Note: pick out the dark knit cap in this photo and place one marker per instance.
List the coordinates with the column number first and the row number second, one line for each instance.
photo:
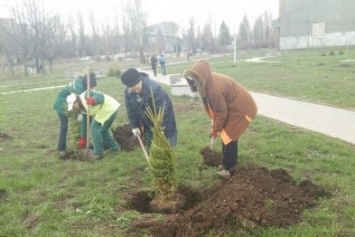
column 130, row 77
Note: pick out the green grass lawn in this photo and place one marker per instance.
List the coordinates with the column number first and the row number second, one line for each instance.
column 41, row 195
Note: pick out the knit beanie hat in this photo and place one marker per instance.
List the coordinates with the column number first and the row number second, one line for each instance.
column 130, row 77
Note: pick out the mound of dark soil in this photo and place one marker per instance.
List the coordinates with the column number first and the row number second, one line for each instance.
column 124, row 136
column 252, row 197
column 211, row 157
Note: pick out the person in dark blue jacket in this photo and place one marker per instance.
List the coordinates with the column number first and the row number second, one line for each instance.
column 138, row 98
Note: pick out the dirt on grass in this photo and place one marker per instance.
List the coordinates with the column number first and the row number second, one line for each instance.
column 253, row 197
column 124, row 136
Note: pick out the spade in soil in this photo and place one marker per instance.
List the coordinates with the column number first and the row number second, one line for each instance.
column 254, row 197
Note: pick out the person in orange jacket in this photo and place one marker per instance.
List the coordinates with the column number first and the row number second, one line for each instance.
column 230, row 106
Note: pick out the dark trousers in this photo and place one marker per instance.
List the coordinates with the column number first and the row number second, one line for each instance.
column 230, row 154
column 63, row 130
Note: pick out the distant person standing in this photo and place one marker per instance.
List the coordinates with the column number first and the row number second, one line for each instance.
column 162, row 63
column 154, row 63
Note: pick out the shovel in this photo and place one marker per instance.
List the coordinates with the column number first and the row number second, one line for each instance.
column 142, row 145
column 212, row 143
column 212, row 138
column 132, row 140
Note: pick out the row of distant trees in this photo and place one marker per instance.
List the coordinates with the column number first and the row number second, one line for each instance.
column 34, row 36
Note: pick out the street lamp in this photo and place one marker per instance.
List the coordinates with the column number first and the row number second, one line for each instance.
column 235, row 46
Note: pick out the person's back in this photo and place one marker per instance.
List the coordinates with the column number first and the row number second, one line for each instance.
column 162, row 60
column 162, row 64
column 153, row 63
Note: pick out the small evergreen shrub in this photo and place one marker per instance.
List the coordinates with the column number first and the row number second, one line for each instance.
column 114, row 72
column 341, row 52
column 162, row 159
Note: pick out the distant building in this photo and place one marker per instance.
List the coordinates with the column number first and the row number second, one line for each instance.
column 164, row 36
column 315, row 23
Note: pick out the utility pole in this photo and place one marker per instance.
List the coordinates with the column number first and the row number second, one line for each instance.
column 235, row 46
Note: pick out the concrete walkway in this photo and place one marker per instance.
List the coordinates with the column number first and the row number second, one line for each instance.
column 333, row 122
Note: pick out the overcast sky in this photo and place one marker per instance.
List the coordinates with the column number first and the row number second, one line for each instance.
column 179, row 11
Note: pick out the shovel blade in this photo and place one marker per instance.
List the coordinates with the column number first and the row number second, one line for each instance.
column 132, row 139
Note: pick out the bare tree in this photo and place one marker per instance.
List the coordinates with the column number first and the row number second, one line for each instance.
column 117, row 43
column 82, row 38
column 22, row 32
column 258, row 32
column 95, row 36
column 32, row 34
column 52, row 40
column 137, row 20
column 208, row 42
column 127, row 35
column 73, row 38
column 7, row 44
column 191, row 36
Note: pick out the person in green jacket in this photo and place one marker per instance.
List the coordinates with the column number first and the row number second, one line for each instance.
column 103, row 110
column 77, row 87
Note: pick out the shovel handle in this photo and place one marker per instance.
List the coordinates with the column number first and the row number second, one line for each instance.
column 143, row 148
column 212, row 138
column 212, row 143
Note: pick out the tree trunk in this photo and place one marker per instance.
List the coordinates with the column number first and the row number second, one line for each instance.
column 141, row 55
column 25, row 69
column 37, row 65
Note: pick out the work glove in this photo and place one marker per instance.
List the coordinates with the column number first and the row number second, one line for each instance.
column 90, row 101
column 213, row 134
column 136, row 131
column 82, row 142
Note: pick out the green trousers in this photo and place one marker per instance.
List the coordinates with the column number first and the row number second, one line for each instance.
column 101, row 135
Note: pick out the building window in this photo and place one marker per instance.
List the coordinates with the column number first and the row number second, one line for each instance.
column 318, row 30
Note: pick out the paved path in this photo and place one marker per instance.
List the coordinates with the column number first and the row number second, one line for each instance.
column 337, row 123
column 333, row 122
